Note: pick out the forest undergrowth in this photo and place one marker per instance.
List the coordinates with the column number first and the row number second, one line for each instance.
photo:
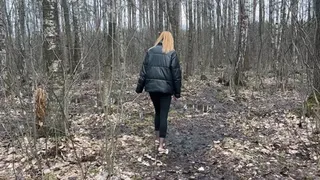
column 212, row 134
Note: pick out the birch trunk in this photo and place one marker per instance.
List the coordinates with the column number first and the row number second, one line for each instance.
column 54, row 71
column 242, row 43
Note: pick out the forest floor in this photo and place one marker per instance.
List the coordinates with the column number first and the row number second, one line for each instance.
column 211, row 135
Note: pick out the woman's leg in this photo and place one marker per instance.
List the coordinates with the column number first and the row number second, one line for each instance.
column 155, row 98
column 165, row 101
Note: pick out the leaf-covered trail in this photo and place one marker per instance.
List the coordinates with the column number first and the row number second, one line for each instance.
column 256, row 136
column 211, row 135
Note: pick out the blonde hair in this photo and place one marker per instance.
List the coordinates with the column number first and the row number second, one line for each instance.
column 167, row 41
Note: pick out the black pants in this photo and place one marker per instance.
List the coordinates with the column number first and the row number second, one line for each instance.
column 161, row 103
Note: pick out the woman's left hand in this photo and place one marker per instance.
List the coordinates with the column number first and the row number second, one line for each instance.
column 174, row 98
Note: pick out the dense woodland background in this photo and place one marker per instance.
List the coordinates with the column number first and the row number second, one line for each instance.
column 79, row 37
column 47, row 47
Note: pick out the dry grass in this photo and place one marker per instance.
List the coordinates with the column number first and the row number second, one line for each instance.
column 40, row 103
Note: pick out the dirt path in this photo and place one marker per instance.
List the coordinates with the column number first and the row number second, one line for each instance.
column 236, row 139
column 211, row 135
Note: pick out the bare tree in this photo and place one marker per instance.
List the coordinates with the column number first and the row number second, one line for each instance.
column 21, row 38
column 242, row 44
column 108, row 79
column 189, row 64
column 2, row 42
column 76, row 51
column 261, row 33
column 309, row 10
column 160, row 11
column 52, row 67
column 316, row 74
column 152, row 18
column 2, row 27
column 69, row 44
column 174, row 8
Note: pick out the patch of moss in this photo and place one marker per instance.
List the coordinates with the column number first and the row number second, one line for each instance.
column 221, row 96
column 94, row 171
column 298, row 111
column 50, row 176
column 311, row 103
column 136, row 178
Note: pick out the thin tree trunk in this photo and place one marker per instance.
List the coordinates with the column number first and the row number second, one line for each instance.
column 21, row 43
column 141, row 7
column 204, row 39
column 53, row 68
column 174, row 19
column 134, row 15
column 2, row 44
column 218, row 31
column 294, row 32
column 309, row 10
column 261, row 33
column 251, row 50
column 280, row 60
column 190, row 42
column 2, row 29
column 242, row 42
column 156, row 15
column 316, row 74
column 218, row 20
column 69, row 44
column 198, row 35
column 108, row 78
column 152, row 21
column 229, row 32
column 76, row 51
column 120, row 33
column 272, row 33
column 161, row 9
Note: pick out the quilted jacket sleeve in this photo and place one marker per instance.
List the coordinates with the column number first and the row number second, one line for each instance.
column 142, row 75
column 176, row 74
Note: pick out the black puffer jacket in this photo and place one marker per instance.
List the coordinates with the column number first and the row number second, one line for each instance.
column 160, row 72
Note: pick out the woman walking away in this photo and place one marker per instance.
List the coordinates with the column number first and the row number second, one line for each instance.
column 160, row 76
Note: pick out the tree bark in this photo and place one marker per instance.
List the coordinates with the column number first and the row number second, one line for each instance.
column 50, row 33
column 161, row 9
column 316, row 74
column 110, row 57
column 242, row 43
column 2, row 43
column 272, row 33
column 261, row 33
column 190, row 42
column 218, row 13
column 152, row 20
column 21, row 39
column 108, row 79
column 174, row 20
column 53, row 69
column 309, row 10
column 76, row 56
column 69, row 44
column 2, row 28
column 294, row 31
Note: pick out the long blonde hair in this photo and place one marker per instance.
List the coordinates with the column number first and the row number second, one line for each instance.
column 167, row 41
